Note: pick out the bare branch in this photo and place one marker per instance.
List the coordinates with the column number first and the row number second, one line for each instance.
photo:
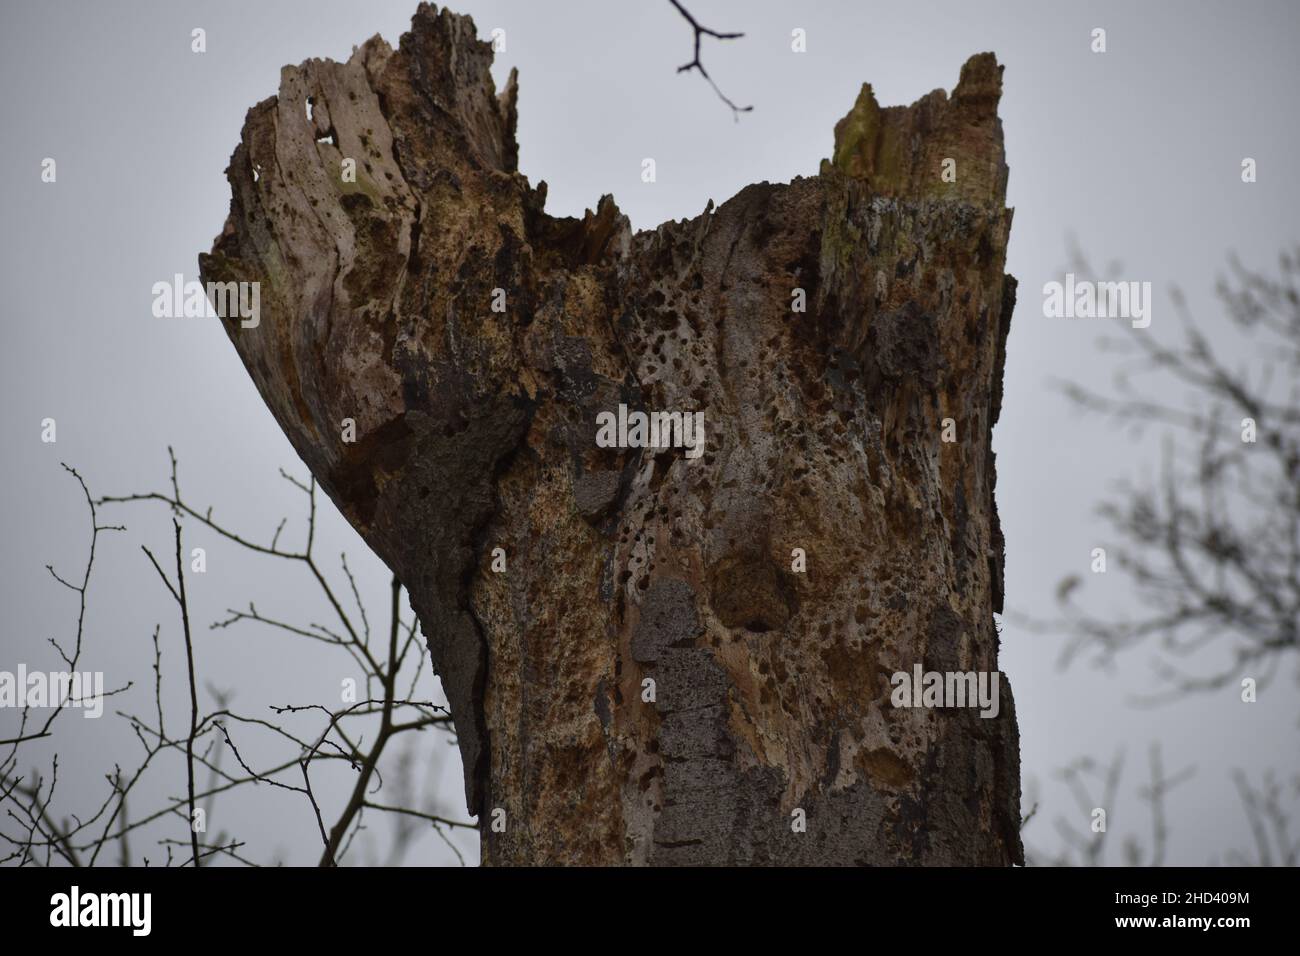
column 697, row 64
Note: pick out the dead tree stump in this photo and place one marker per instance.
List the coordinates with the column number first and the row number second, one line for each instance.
column 688, row 649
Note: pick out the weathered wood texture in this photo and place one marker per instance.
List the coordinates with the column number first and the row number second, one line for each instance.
column 476, row 430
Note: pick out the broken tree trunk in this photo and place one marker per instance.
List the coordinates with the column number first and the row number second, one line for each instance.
column 683, row 657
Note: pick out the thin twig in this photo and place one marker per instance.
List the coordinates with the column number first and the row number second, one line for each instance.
column 697, row 64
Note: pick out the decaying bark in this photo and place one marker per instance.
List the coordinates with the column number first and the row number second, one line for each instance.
column 476, row 430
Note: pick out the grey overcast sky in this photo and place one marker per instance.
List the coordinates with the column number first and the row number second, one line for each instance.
column 1137, row 151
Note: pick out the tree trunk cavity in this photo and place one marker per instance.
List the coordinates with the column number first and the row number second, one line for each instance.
column 824, row 431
